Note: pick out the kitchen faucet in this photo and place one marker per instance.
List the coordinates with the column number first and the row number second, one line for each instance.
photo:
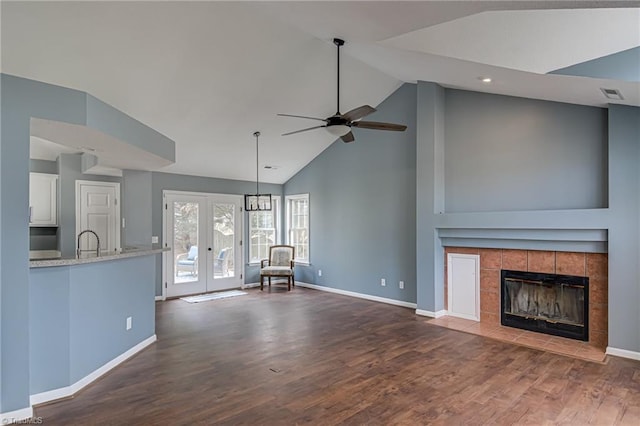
column 97, row 239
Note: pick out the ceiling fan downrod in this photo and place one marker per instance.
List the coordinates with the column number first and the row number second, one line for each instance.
column 338, row 42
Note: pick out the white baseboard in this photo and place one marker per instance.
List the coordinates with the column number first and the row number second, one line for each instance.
column 250, row 285
column 431, row 314
column 623, row 353
column 16, row 416
column 358, row 295
column 67, row 391
column 160, row 298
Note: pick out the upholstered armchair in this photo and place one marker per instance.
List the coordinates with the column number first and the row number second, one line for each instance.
column 280, row 264
column 188, row 261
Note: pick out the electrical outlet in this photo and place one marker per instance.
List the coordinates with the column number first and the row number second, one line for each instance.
column 319, row 272
column 401, row 285
column 383, row 282
column 154, row 240
column 129, row 323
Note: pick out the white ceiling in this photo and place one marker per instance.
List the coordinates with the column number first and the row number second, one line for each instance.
column 209, row 74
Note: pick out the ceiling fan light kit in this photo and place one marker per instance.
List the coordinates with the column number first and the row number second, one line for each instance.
column 257, row 202
column 338, row 129
column 340, row 124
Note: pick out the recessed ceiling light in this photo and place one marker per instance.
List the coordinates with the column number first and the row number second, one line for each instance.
column 612, row 93
column 87, row 148
column 485, row 79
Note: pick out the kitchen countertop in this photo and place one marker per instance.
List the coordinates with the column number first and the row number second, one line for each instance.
column 37, row 261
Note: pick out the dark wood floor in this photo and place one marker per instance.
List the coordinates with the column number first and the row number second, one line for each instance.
column 311, row 357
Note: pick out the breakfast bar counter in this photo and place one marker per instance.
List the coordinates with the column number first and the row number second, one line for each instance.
column 50, row 258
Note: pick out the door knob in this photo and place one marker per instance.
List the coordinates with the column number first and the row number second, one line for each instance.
column 209, row 249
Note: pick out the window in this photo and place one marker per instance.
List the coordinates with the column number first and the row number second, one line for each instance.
column 298, row 225
column 264, row 231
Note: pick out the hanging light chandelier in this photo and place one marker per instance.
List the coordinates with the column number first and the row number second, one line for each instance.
column 257, row 201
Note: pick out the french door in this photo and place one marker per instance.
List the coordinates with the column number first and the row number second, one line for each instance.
column 204, row 233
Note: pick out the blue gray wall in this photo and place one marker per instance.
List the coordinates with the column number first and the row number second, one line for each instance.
column 504, row 153
column 484, row 179
column 624, row 227
column 363, row 207
column 77, row 317
column 623, row 65
column 21, row 100
column 136, row 208
column 173, row 182
column 610, row 224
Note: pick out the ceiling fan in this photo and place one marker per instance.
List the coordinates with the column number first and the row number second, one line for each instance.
column 341, row 124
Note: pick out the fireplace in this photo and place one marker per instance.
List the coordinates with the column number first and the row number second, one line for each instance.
column 546, row 303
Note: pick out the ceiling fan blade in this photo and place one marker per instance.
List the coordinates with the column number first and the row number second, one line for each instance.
column 379, row 126
column 301, row 116
column 302, row 130
column 348, row 137
column 358, row 113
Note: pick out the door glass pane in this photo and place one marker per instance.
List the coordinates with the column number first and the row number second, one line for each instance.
column 185, row 241
column 223, row 240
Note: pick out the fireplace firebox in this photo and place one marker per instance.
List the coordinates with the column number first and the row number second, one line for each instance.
column 546, row 303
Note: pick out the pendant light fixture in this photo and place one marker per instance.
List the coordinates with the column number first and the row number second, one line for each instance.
column 257, row 202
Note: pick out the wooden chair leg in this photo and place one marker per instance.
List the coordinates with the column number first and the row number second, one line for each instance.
column 289, row 283
column 261, row 282
column 269, row 280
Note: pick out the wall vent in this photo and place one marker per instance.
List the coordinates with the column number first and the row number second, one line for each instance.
column 612, row 94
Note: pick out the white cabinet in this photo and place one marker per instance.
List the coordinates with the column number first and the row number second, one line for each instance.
column 43, row 199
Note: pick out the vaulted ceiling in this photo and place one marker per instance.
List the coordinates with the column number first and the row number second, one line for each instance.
column 209, row 74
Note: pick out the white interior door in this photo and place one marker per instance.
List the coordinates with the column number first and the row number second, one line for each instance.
column 463, row 276
column 185, row 233
column 97, row 209
column 204, row 233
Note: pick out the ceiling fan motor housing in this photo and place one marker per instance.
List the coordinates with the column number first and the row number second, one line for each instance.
column 338, row 120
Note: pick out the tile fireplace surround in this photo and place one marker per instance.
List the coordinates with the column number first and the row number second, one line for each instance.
column 592, row 265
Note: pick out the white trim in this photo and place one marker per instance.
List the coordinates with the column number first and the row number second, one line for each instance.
column 205, row 282
column 624, row 353
column 160, row 298
column 287, row 208
column 358, row 295
column 431, row 314
column 15, row 416
column 67, row 391
column 249, row 285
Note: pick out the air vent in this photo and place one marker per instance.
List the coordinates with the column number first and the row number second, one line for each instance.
column 612, row 94
column 271, row 167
